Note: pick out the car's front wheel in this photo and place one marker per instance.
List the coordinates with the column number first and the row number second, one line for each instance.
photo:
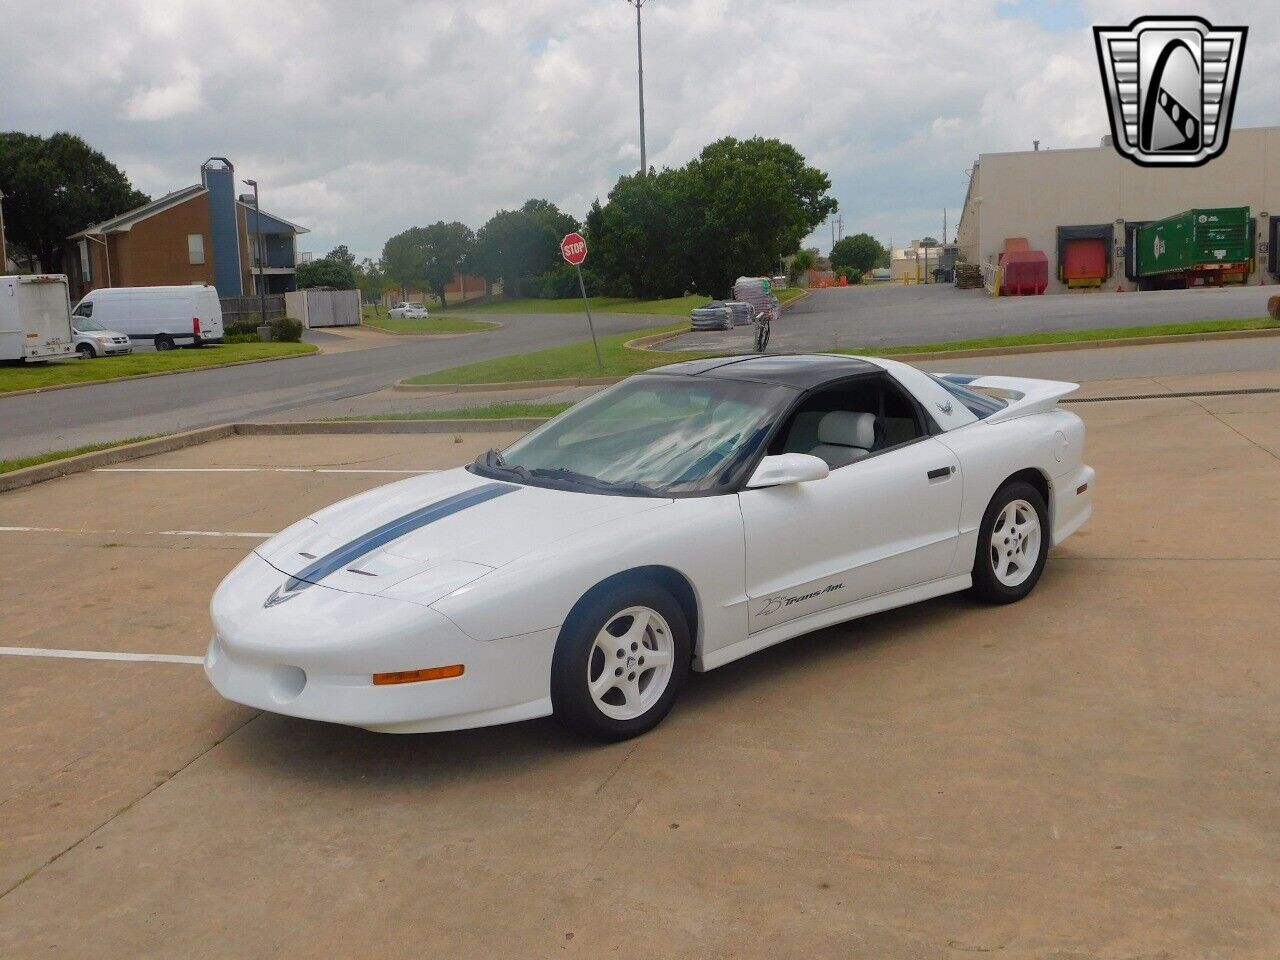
column 1013, row 543
column 620, row 662
column 86, row 351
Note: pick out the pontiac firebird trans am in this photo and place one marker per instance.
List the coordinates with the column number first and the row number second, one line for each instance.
column 679, row 520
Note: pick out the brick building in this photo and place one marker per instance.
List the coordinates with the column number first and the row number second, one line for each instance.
column 202, row 233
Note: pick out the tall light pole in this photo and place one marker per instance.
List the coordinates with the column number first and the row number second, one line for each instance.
column 644, row 160
column 4, row 256
column 262, row 254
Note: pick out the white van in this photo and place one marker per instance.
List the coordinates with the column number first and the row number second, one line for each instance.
column 35, row 319
column 165, row 315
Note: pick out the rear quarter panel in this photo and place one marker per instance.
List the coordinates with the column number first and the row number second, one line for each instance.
column 990, row 453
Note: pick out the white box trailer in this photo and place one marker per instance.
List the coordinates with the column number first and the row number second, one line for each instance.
column 35, row 318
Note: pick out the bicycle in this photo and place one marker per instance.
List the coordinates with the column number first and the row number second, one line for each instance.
column 762, row 323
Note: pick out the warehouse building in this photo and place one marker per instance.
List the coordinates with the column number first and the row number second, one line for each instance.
column 1084, row 208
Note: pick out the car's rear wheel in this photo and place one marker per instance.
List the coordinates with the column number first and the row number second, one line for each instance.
column 620, row 662
column 1013, row 543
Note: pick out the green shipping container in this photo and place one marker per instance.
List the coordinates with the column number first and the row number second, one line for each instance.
column 1194, row 238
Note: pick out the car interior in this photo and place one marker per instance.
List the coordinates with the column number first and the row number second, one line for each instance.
column 849, row 421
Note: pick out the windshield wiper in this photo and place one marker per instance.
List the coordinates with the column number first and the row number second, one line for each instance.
column 586, row 480
column 492, row 461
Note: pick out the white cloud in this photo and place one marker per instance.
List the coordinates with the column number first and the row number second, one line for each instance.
column 361, row 120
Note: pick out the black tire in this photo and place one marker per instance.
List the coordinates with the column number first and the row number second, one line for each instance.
column 986, row 584
column 164, row 342
column 571, row 700
column 86, row 350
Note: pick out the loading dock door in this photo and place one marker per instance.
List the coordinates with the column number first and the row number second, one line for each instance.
column 1084, row 254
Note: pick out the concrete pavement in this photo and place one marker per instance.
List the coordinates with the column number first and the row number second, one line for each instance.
column 1089, row 773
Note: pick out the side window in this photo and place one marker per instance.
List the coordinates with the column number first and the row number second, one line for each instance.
column 84, row 309
column 851, row 421
column 979, row 404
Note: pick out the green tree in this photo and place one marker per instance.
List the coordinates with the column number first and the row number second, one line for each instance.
column 802, row 261
column 860, row 252
column 326, row 273
column 372, row 281
column 735, row 209
column 340, row 254
column 518, row 244
column 428, row 257
column 56, row 186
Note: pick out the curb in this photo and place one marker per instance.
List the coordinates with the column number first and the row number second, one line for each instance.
column 158, row 373
column 144, row 448
column 103, row 458
column 442, row 388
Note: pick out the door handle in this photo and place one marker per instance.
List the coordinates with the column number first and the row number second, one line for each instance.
column 941, row 473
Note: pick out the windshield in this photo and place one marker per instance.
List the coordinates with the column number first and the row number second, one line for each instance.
column 650, row 435
column 414, row 306
column 84, row 323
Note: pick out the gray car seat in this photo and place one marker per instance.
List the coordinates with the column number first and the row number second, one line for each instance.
column 844, row 436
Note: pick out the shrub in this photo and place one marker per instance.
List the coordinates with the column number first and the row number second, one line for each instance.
column 240, row 338
column 286, row 330
column 244, row 326
column 1273, row 307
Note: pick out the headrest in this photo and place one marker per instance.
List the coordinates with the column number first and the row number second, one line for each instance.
column 847, row 429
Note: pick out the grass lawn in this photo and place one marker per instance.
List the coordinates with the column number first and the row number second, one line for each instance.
column 56, row 372
column 577, row 359
column 496, row 411
column 8, row 466
column 428, row 326
column 675, row 306
column 571, row 360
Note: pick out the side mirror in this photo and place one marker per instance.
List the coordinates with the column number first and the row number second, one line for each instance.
column 788, row 468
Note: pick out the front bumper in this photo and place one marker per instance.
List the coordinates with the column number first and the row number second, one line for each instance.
column 314, row 657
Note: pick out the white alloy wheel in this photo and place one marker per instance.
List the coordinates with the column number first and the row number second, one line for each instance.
column 1015, row 543
column 630, row 663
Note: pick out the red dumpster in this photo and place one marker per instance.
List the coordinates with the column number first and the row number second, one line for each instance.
column 1026, row 273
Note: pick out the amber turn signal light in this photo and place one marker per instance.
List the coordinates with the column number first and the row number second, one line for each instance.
column 414, row 676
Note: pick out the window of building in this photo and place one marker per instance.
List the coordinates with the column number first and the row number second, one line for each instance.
column 195, row 248
column 86, row 270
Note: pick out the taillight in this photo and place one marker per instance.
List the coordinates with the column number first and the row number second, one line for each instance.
column 195, row 324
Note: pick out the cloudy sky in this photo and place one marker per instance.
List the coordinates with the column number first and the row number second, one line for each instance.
column 362, row 119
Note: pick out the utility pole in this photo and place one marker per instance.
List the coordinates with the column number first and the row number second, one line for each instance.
column 262, row 255
column 4, row 257
column 644, row 158
column 944, row 226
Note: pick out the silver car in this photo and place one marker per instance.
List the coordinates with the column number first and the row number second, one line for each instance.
column 92, row 339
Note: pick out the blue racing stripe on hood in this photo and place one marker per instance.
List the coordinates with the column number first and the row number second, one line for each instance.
column 378, row 537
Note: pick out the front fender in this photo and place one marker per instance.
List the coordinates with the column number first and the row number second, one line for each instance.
column 699, row 537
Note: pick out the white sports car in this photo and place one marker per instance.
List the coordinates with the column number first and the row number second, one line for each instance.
column 679, row 520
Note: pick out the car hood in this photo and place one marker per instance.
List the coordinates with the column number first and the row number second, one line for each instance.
column 445, row 530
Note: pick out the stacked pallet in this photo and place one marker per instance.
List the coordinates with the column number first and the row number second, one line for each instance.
column 968, row 276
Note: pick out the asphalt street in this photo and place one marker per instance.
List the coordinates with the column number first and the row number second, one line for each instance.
column 891, row 315
column 62, row 419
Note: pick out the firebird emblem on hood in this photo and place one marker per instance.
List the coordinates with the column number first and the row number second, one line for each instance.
column 278, row 596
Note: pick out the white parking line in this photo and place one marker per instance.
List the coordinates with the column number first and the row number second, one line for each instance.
column 97, row 655
column 252, row 470
column 144, row 533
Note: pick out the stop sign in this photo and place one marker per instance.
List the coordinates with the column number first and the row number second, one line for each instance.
column 573, row 248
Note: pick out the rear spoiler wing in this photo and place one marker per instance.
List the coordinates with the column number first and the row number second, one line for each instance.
column 1023, row 396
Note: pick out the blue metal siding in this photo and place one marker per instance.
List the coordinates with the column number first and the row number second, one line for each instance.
column 221, row 183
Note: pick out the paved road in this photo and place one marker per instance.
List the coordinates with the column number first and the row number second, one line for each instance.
column 853, row 317
column 114, row 411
